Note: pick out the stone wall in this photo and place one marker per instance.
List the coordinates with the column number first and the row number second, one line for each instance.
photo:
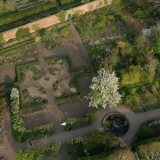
column 51, row 20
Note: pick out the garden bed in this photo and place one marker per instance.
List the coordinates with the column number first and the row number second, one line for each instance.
column 34, row 95
column 19, row 53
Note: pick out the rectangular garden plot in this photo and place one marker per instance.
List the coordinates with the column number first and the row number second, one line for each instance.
column 36, row 117
column 29, row 72
column 64, row 79
column 19, row 53
column 34, row 97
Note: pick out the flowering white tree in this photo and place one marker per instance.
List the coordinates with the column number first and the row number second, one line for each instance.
column 104, row 90
column 14, row 93
column 14, row 96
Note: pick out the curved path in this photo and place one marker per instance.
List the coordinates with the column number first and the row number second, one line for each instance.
column 135, row 119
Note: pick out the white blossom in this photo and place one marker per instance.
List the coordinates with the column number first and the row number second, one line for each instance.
column 104, row 90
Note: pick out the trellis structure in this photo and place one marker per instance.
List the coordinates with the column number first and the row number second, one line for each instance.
column 25, row 4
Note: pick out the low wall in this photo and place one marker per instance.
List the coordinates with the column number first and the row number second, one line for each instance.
column 51, row 20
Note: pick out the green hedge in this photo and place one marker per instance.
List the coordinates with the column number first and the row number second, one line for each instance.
column 26, row 13
column 68, row 99
column 7, row 50
column 9, row 85
column 79, row 122
column 35, row 106
column 72, row 69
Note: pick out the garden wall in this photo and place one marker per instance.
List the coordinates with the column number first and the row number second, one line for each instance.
column 51, row 20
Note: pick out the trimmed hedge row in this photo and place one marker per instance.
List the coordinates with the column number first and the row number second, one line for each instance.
column 35, row 106
column 72, row 69
column 9, row 85
column 68, row 99
column 26, row 13
column 7, row 50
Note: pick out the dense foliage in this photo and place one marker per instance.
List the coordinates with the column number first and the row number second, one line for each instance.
column 38, row 153
column 22, row 33
column 95, row 142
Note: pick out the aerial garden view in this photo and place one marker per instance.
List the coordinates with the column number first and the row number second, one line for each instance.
column 79, row 79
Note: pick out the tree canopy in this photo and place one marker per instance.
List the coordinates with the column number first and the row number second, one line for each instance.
column 104, row 90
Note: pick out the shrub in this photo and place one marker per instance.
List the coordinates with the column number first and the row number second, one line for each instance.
column 145, row 132
column 61, row 15
column 22, row 32
column 140, row 14
column 35, row 27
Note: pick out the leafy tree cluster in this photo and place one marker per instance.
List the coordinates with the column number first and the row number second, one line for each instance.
column 137, row 64
column 22, row 33
column 38, row 153
column 95, row 142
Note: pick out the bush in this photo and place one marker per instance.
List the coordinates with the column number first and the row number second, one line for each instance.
column 35, row 27
column 61, row 15
column 140, row 14
column 145, row 132
column 22, row 33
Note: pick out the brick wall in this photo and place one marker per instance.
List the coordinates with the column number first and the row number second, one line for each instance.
column 51, row 20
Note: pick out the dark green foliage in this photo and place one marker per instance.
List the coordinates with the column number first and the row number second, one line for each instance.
column 38, row 153
column 22, row 33
column 116, row 153
column 35, row 106
column 145, row 132
column 97, row 142
column 74, row 123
